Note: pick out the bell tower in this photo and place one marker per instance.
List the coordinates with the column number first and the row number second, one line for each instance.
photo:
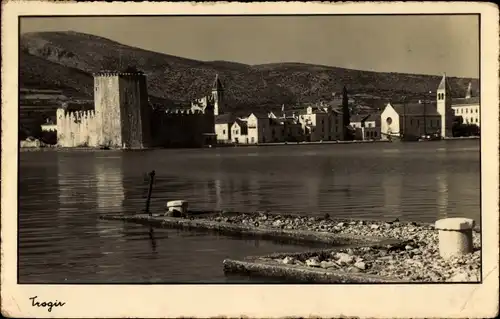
column 443, row 107
column 218, row 96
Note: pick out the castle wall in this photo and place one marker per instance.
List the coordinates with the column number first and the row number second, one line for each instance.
column 107, row 110
column 77, row 129
column 181, row 128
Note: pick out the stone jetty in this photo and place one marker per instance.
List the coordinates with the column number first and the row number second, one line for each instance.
column 352, row 251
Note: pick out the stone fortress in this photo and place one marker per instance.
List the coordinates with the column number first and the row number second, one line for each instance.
column 123, row 117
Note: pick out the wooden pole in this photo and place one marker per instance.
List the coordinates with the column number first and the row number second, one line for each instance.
column 151, row 179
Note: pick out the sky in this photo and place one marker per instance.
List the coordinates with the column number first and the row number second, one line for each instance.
column 407, row 44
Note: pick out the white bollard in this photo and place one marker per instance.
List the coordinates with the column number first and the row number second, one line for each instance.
column 455, row 236
column 177, row 208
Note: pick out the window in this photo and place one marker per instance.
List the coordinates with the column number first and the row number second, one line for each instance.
column 476, row 110
column 223, row 131
column 389, row 121
column 467, row 111
column 477, row 120
column 375, row 134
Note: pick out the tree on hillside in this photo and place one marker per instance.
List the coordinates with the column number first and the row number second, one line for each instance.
column 346, row 115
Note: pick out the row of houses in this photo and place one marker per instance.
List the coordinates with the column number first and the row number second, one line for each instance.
column 325, row 121
column 317, row 123
column 310, row 124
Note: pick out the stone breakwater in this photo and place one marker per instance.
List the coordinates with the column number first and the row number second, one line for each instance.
column 416, row 258
column 359, row 251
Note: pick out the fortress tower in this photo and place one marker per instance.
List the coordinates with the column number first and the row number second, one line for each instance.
column 218, row 96
column 122, row 110
column 443, row 107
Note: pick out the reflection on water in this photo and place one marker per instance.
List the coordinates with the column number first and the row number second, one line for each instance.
column 63, row 193
column 442, row 195
column 392, row 185
column 110, row 190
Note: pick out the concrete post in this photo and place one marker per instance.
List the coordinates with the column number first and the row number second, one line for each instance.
column 177, row 208
column 455, row 236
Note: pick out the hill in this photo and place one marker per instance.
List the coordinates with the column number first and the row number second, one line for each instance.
column 65, row 61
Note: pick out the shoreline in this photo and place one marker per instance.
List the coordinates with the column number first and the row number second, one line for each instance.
column 353, row 250
column 95, row 149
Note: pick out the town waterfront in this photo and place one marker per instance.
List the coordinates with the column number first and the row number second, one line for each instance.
column 63, row 193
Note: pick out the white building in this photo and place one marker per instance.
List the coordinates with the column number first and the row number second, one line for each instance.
column 239, row 132
column 321, row 124
column 422, row 118
column 468, row 108
column 367, row 126
column 408, row 119
column 223, row 125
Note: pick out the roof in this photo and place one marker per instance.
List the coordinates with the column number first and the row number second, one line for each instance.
column 260, row 115
column 226, row 118
column 465, row 101
column 365, row 117
column 416, row 109
column 217, row 86
column 243, row 125
column 444, row 84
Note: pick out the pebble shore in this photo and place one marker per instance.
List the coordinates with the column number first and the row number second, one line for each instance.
column 417, row 259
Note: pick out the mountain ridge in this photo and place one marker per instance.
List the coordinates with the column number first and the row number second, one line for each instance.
column 53, row 58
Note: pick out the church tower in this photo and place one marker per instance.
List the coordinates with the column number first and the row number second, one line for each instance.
column 218, row 96
column 443, row 105
column 468, row 95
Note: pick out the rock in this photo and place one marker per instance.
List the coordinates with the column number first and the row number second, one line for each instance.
column 361, row 265
column 313, row 262
column 341, row 224
column 328, row 264
column 386, row 258
column 352, row 223
column 344, row 258
column 374, row 226
column 361, row 222
column 354, row 269
column 264, row 217
column 289, row 260
column 277, row 223
column 409, row 247
column 416, row 251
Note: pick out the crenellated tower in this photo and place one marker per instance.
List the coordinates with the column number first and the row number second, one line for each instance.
column 443, row 107
column 218, row 96
column 122, row 110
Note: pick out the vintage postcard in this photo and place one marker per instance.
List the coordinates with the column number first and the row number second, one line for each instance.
column 250, row 159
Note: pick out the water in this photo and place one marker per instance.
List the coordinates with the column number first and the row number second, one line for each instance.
column 63, row 193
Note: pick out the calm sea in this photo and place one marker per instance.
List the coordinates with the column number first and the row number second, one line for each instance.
column 61, row 195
